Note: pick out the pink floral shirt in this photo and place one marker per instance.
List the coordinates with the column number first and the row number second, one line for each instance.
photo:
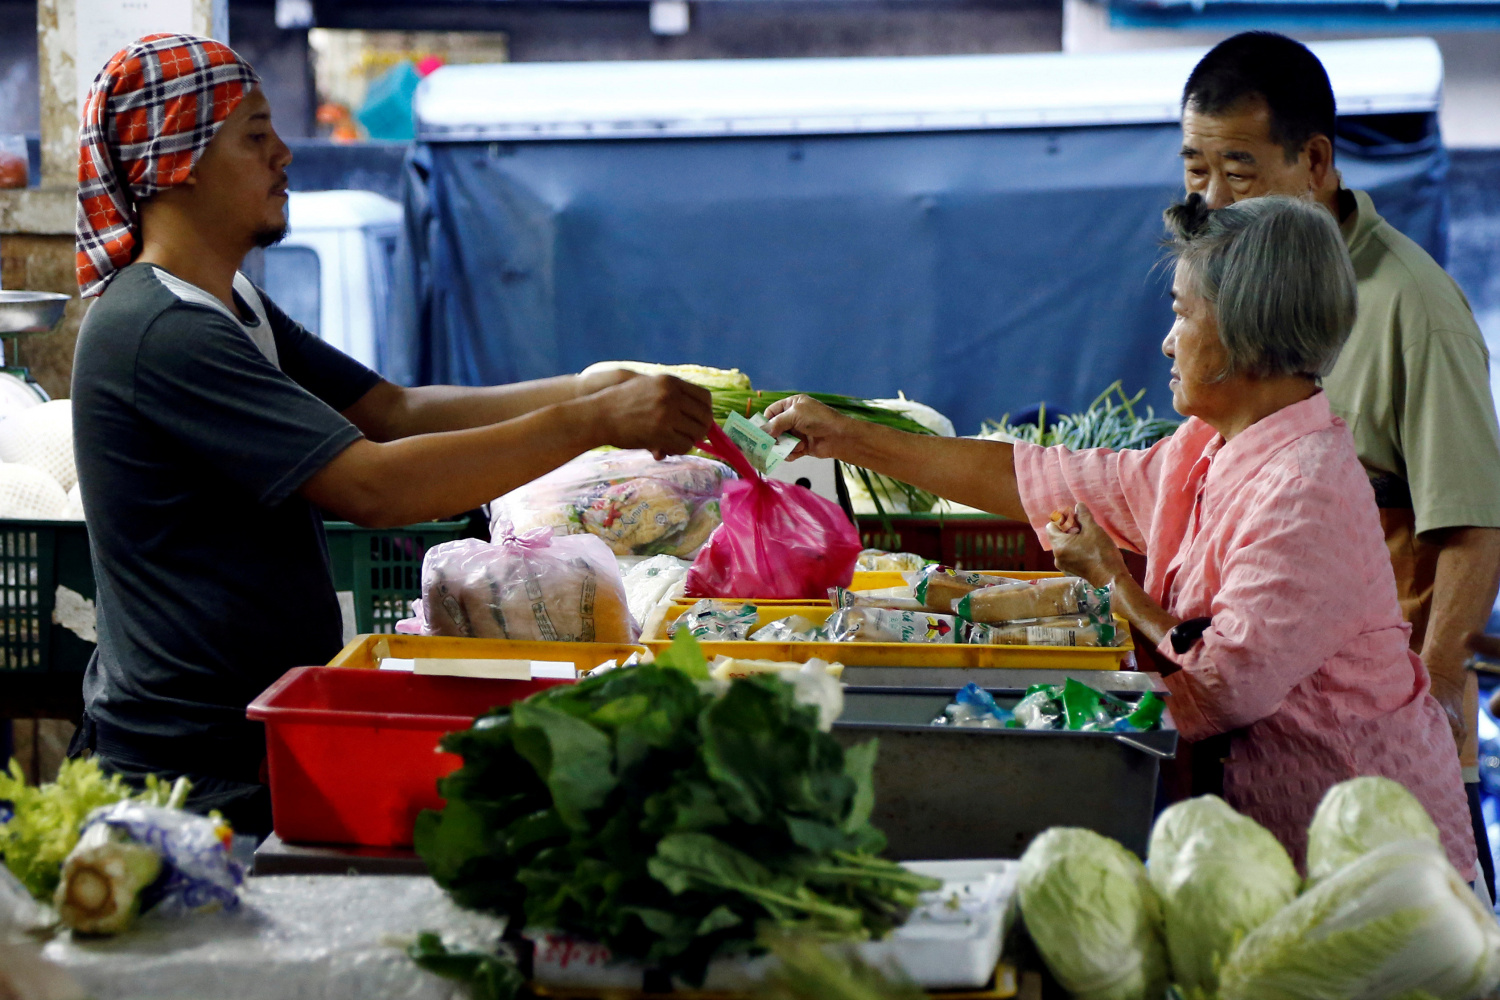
column 1275, row 535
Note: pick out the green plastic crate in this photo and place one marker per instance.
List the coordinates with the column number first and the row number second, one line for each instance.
column 382, row 567
column 38, row 559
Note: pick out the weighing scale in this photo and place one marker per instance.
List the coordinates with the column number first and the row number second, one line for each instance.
column 26, row 314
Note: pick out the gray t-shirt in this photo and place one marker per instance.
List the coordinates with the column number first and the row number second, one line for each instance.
column 193, row 431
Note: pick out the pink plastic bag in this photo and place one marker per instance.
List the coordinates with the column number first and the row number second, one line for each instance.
column 778, row 540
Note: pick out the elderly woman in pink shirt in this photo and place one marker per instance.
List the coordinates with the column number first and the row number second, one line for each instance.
column 1269, row 592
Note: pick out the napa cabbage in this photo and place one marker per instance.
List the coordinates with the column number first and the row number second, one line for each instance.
column 1093, row 915
column 1359, row 815
column 1219, row 875
column 1397, row 922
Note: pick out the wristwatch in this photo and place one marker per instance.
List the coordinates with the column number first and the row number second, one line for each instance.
column 1185, row 634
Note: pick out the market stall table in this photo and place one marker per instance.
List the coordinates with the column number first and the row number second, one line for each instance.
column 276, row 857
column 329, row 936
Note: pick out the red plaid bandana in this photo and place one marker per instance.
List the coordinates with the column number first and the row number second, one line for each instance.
column 150, row 114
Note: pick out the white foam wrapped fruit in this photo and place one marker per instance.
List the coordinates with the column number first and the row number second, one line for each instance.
column 42, row 437
column 28, row 492
column 73, row 511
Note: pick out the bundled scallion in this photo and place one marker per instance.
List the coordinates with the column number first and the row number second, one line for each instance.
column 1109, row 422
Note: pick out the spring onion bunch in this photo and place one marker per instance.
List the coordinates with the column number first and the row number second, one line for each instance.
column 1110, row 422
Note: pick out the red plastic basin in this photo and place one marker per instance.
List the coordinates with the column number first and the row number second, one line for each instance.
column 353, row 753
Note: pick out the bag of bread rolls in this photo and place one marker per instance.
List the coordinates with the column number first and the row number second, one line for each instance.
column 938, row 587
column 532, row 585
column 1045, row 598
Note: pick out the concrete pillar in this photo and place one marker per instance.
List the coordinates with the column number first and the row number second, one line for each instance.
column 36, row 224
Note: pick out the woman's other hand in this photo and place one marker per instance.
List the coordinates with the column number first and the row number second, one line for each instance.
column 1084, row 549
column 821, row 428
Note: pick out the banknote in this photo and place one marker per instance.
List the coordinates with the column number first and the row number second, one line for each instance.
column 763, row 451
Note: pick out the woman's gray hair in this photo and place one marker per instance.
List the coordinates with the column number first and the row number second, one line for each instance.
column 1278, row 276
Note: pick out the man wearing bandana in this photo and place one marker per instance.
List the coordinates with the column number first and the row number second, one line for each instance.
column 210, row 429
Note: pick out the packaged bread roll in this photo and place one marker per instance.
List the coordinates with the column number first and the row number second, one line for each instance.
column 1045, row 598
column 937, row 587
column 887, row 625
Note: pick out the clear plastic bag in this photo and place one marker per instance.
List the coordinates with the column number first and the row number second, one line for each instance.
column 636, row 504
column 886, row 625
column 532, row 585
column 778, row 540
column 717, row 621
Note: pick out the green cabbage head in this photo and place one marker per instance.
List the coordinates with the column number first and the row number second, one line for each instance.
column 1359, row 815
column 1219, row 875
column 1093, row 915
column 1398, row 922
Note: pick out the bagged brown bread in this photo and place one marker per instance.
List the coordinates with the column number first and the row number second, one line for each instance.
column 1045, row 598
column 938, row 587
column 533, row 586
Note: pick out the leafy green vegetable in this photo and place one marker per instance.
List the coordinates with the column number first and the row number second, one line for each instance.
column 1219, row 876
column 44, row 822
column 489, row 977
column 807, row 970
column 1107, row 423
column 1357, row 816
column 643, row 810
column 1093, row 915
column 1397, row 922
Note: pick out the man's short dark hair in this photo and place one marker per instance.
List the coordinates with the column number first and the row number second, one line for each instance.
column 1275, row 68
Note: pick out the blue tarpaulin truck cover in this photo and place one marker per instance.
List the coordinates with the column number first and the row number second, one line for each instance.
column 981, row 232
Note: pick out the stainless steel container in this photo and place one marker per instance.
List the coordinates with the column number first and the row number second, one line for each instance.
column 956, row 792
column 24, row 312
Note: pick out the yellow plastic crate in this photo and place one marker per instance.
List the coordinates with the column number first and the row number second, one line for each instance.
column 364, row 651
column 894, row 654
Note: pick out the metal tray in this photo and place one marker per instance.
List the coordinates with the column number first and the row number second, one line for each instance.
column 962, row 793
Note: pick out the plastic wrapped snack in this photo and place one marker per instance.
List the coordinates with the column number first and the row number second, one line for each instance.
column 938, row 587
column 531, row 585
column 132, row 857
column 886, row 625
column 895, row 598
column 881, row 561
column 637, row 504
column 1063, row 630
column 791, row 629
column 1013, row 601
column 975, row 708
column 717, row 621
column 1076, row 706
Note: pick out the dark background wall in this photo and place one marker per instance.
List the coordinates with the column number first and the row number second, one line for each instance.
column 728, row 30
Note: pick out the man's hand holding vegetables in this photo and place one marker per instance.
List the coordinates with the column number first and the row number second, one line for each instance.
column 210, row 428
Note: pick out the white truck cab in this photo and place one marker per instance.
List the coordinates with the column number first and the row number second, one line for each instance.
column 333, row 271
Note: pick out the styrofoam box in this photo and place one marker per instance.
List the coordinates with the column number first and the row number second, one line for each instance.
column 951, row 941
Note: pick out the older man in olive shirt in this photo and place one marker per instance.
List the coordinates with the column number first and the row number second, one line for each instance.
column 1413, row 380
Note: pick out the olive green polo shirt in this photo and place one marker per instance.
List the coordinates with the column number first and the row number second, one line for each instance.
column 1413, row 382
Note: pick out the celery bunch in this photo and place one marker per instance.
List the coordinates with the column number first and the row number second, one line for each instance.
column 40, row 827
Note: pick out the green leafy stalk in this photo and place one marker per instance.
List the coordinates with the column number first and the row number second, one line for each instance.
column 489, row 977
